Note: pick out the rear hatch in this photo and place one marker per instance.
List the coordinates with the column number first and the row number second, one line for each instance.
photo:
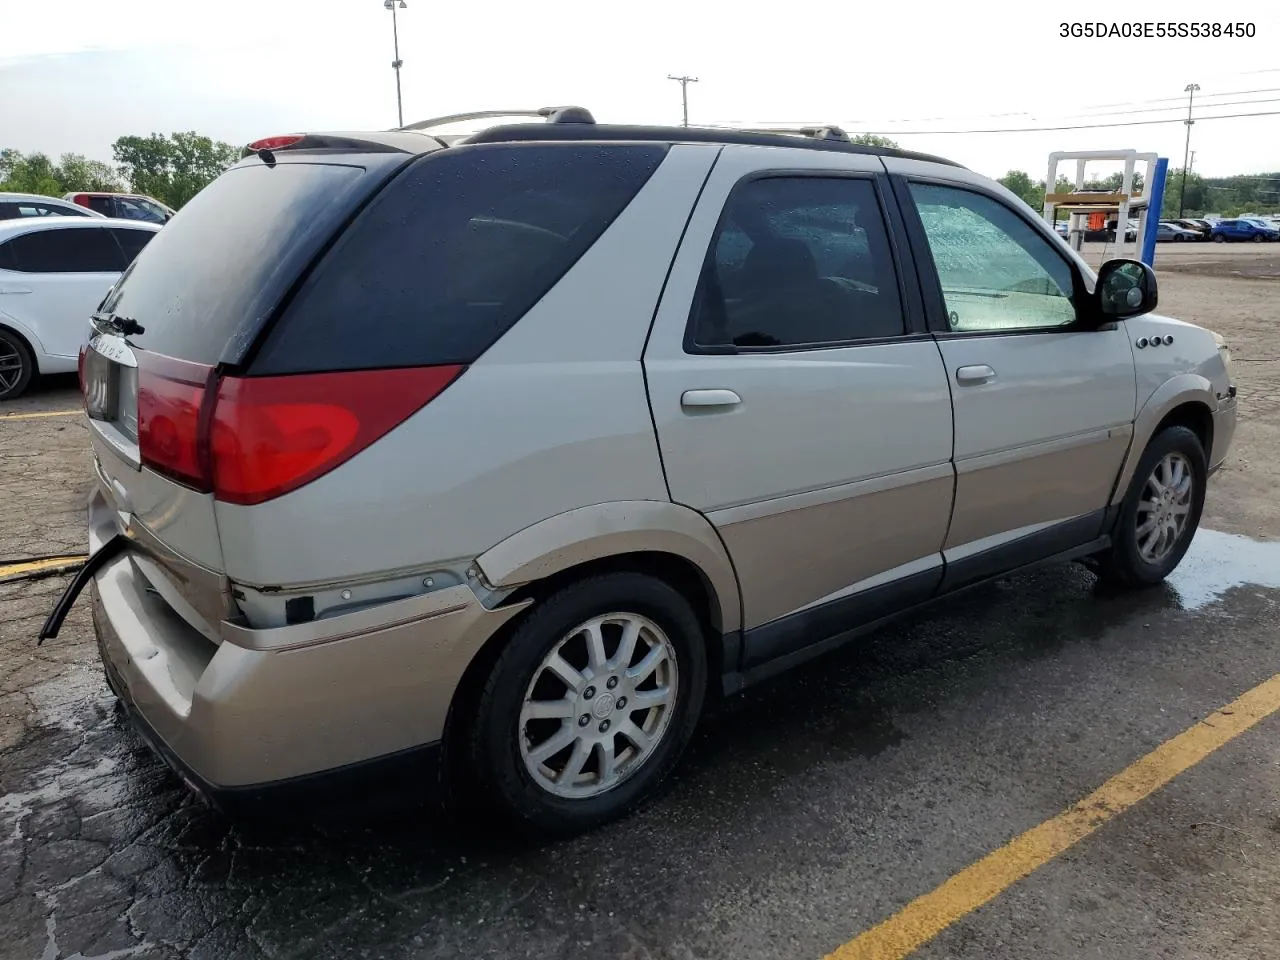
column 186, row 312
column 295, row 312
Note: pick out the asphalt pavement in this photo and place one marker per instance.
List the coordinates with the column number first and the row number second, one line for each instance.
column 806, row 811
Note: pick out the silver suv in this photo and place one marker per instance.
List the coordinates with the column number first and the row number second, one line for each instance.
column 516, row 448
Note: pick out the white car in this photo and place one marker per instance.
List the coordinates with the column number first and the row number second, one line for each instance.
column 19, row 206
column 54, row 271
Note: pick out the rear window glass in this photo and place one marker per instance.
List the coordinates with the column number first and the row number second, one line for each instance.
column 453, row 253
column 204, row 285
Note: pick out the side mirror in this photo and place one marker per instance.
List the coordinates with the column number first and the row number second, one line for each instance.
column 1125, row 288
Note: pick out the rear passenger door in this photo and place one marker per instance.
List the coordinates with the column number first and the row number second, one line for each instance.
column 798, row 400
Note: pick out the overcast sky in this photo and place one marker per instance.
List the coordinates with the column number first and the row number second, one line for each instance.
column 76, row 74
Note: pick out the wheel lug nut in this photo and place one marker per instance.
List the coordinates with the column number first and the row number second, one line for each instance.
column 584, row 720
column 613, row 682
column 604, row 726
column 589, row 692
column 622, row 703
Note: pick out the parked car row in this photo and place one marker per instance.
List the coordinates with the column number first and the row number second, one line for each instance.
column 1240, row 229
column 54, row 271
column 58, row 259
column 122, row 206
column 1189, row 230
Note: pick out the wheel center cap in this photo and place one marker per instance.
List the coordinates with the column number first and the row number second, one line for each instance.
column 603, row 705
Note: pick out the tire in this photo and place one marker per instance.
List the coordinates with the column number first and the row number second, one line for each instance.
column 1178, row 238
column 17, row 366
column 502, row 741
column 1127, row 563
column 1218, row 238
column 1257, row 238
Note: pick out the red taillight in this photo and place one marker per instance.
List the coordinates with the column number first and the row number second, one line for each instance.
column 275, row 143
column 81, row 198
column 256, row 438
column 270, row 435
column 172, row 400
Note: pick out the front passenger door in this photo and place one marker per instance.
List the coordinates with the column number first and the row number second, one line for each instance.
column 1044, row 405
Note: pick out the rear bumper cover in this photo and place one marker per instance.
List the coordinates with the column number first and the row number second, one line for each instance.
column 415, row 772
column 274, row 708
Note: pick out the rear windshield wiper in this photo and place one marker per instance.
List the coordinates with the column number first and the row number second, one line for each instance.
column 125, row 326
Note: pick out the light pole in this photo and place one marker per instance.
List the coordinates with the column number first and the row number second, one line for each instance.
column 397, row 62
column 1190, row 90
column 684, row 93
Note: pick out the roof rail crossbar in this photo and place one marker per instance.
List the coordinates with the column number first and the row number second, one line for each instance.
column 566, row 114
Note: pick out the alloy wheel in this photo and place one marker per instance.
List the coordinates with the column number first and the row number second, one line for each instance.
column 12, row 366
column 598, row 706
column 1164, row 507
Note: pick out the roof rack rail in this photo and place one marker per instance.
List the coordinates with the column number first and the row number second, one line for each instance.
column 814, row 133
column 565, row 114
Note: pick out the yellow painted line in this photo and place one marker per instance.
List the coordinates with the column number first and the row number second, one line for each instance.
column 926, row 917
column 35, row 566
column 41, row 415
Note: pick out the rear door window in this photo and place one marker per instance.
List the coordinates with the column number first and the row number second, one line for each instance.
column 452, row 253
column 131, row 241
column 67, row 251
column 797, row 261
column 103, row 205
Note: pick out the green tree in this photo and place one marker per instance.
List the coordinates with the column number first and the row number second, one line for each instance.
column 30, row 173
column 175, row 168
column 1019, row 182
column 78, row 172
column 872, row 140
column 1195, row 197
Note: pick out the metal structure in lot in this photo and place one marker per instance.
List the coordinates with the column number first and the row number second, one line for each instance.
column 1123, row 203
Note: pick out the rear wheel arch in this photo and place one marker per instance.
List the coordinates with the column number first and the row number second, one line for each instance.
column 672, row 569
column 668, row 540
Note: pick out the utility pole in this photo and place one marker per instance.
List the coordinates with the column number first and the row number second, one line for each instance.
column 1190, row 91
column 684, row 93
column 397, row 62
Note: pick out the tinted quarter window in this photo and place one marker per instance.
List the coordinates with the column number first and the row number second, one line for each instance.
column 996, row 271
column 7, row 259
column 796, row 261
column 67, row 251
column 452, row 253
column 131, row 241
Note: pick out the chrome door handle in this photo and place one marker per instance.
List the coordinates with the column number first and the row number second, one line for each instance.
column 709, row 398
column 976, row 373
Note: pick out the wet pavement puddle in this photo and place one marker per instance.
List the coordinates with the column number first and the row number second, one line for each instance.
column 1219, row 561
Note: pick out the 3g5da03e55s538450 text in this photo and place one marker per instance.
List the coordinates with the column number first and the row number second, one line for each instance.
column 1147, row 29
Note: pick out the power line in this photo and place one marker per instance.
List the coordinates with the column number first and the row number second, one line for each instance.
column 1068, row 116
column 1079, row 126
column 1178, row 107
column 1225, row 93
